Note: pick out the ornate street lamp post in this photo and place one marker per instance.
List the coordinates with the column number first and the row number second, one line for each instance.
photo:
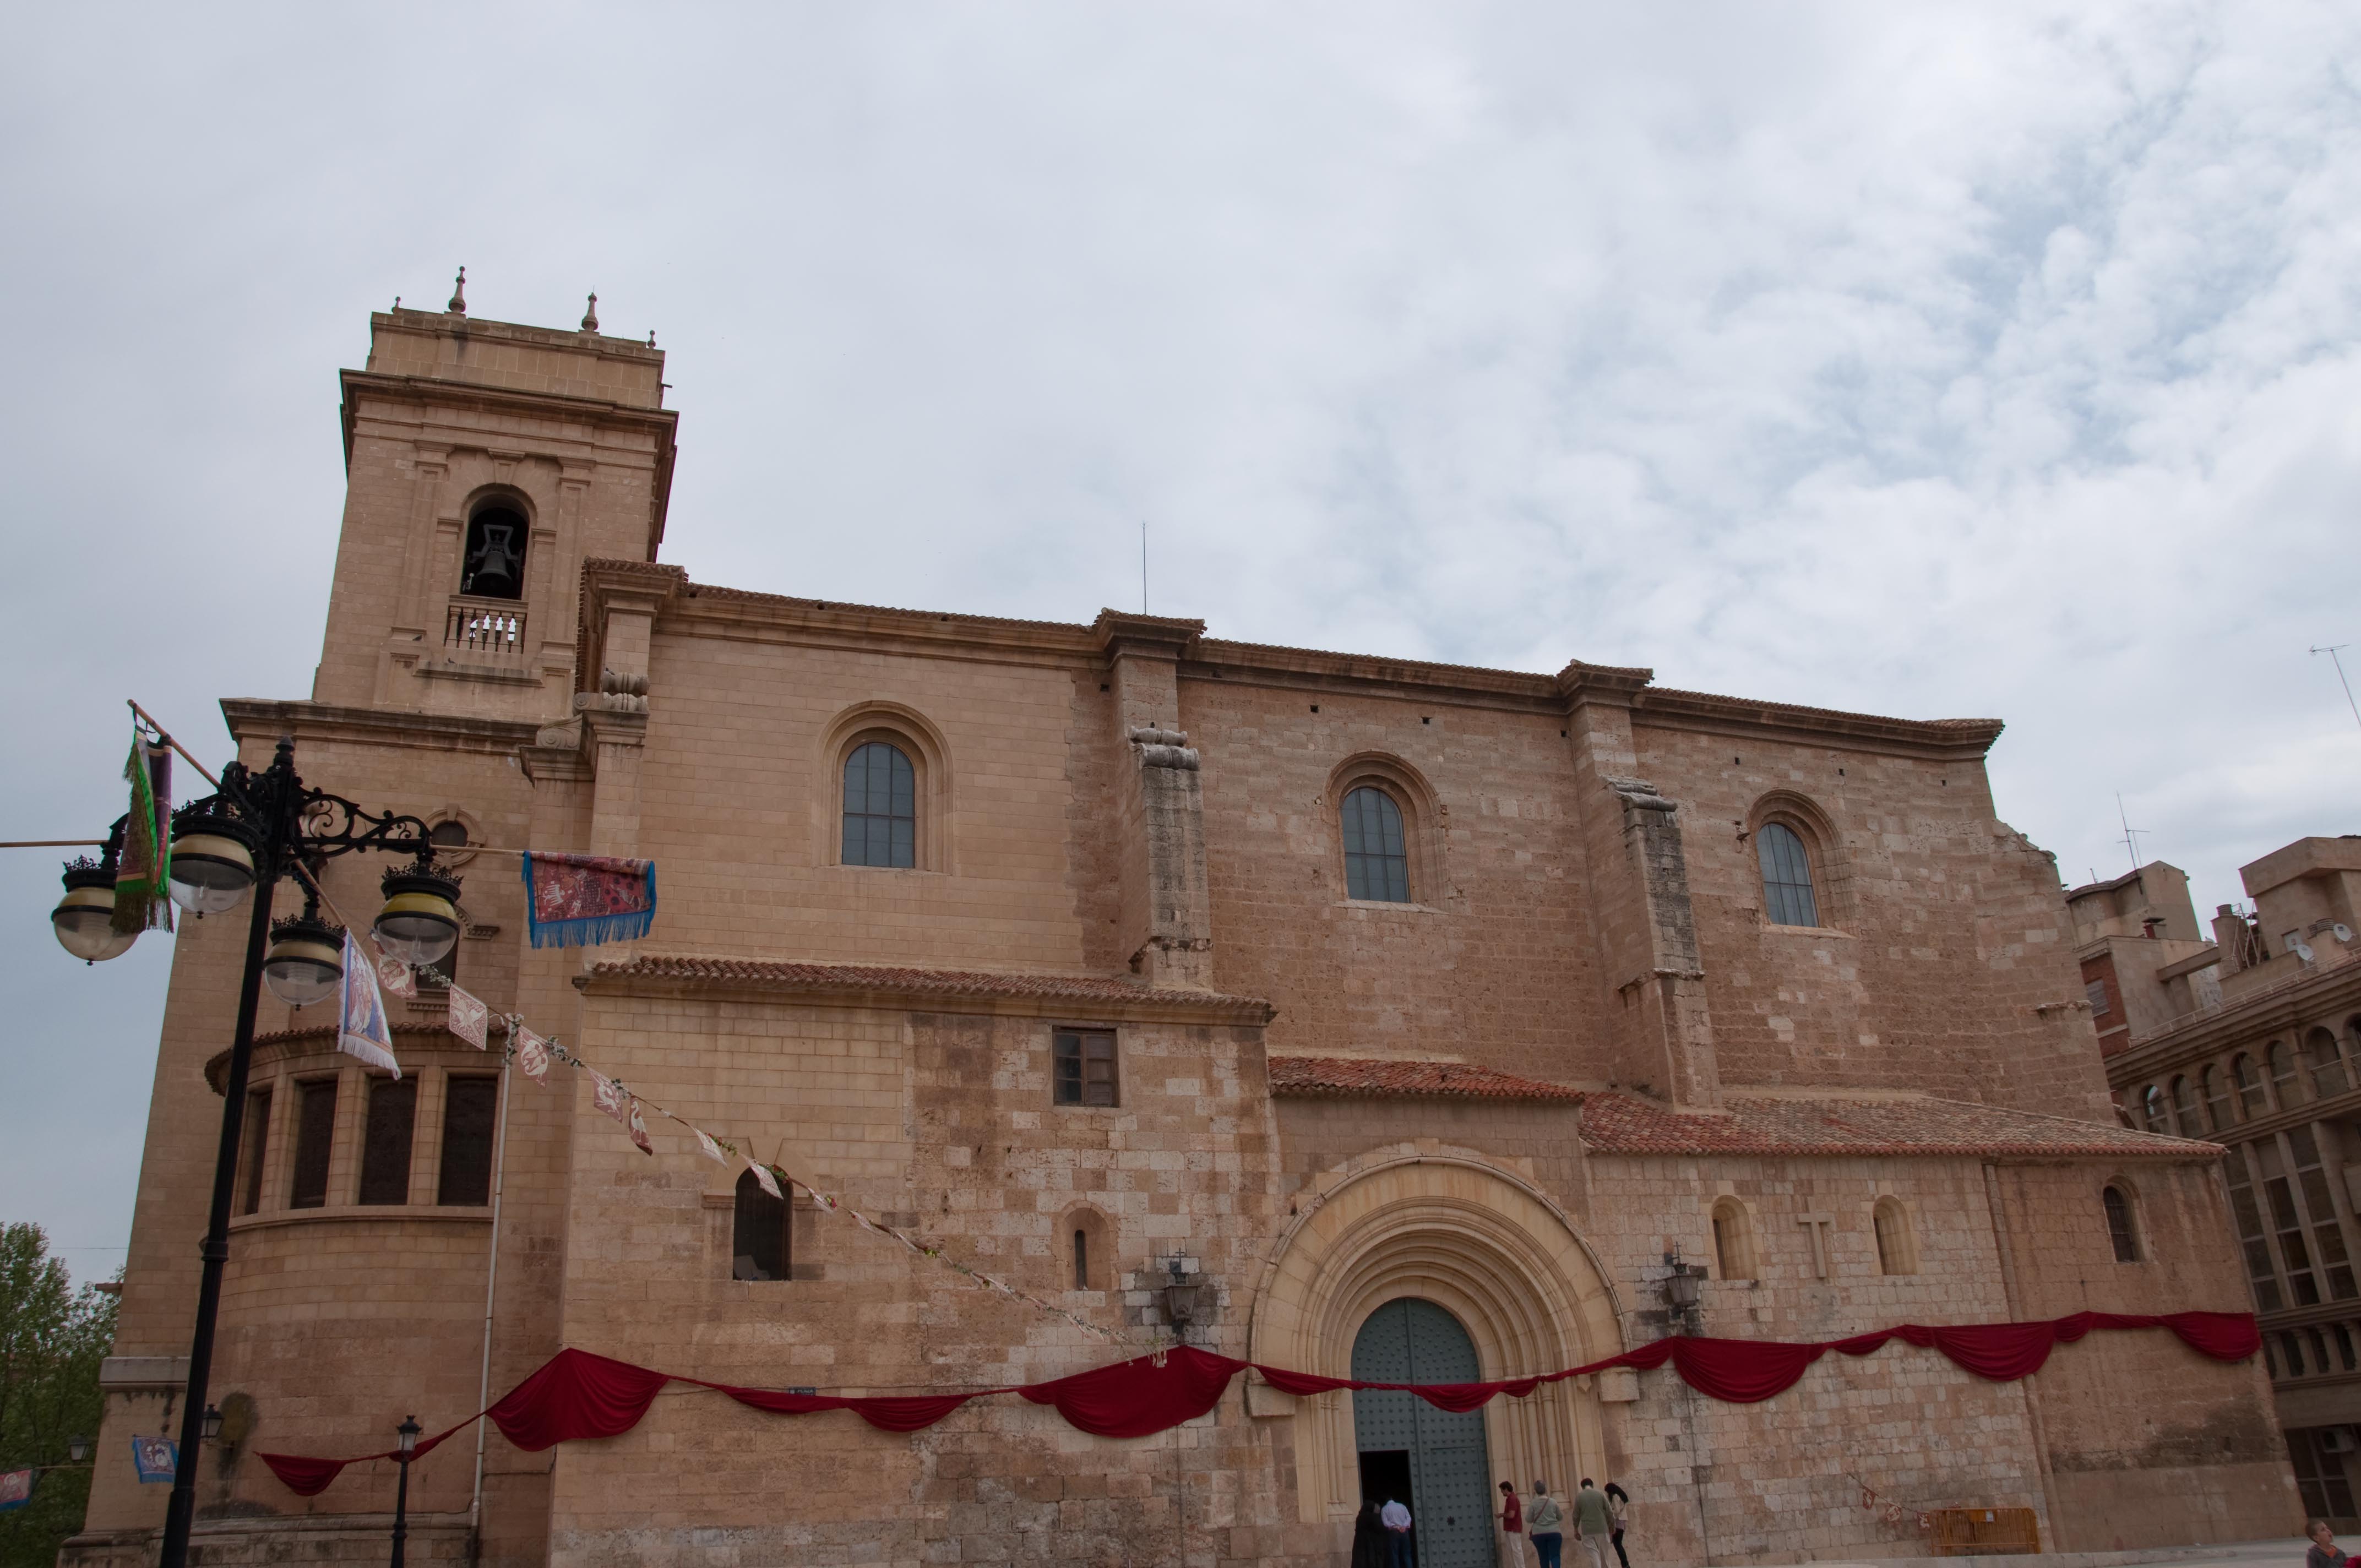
column 260, row 828
column 407, row 1432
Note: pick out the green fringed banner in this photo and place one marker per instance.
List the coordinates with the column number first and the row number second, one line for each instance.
column 141, row 902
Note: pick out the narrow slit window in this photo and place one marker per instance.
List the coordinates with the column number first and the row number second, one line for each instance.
column 1084, row 1065
column 2119, row 1224
column 316, row 1134
column 470, row 1107
column 881, row 806
column 258, row 1140
column 385, row 1151
column 1081, row 1260
column 1377, row 855
column 758, row 1233
column 1787, row 895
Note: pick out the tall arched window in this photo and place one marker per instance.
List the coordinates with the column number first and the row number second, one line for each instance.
column 1377, row 859
column 2282, row 1066
column 2217, row 1099
column 1787, row 876
column 1733, row 1240
column 2184, row 1110
column 2119, row 1223
column 2152, row 1109
column 881, row 806
column 493, row 567
column 1897, row 1249
column 758, row 1233
column 2251, row 1099
column 2328, row 1076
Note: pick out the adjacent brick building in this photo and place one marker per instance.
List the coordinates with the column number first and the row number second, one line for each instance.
column 2254, row 1040
column 1096, row 951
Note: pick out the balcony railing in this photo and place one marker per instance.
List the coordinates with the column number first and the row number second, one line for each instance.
column 491, row 631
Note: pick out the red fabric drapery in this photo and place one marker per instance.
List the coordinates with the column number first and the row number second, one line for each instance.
column 577, row 1395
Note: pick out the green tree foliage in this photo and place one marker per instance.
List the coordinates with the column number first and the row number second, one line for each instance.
column 52, row 1338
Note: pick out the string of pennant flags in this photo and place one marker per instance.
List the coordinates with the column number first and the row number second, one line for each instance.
column 470, row 1019
column 572, row 900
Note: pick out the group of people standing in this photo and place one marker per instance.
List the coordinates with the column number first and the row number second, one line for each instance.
column 1381, row 1536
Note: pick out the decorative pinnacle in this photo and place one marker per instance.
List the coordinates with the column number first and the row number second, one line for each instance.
column 458, row 305
column 652, row 340
column 590, row 316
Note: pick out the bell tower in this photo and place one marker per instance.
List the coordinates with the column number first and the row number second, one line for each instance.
column 484, row 462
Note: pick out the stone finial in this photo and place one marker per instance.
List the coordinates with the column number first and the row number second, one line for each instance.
column 652, row 340
column 396, row 301
column 590, row 316
column 458, row 305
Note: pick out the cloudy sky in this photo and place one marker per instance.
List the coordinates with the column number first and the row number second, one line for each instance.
column 1950, row 361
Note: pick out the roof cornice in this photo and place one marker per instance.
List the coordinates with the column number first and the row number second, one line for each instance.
column 2285, row 1006
column 1076, row 998
column 265, row 718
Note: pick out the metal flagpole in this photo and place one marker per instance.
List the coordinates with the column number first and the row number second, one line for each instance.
column 492, row 1283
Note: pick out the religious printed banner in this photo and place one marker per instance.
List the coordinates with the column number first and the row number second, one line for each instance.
column 395, row 976
column 573, row 901
column 469, row 1019
column 155, row 1458
column 15, row 1489
column 763, row 1178
column 361, row 1027
column 532, row 1055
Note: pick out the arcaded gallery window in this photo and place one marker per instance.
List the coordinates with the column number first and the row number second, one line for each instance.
column 470, row 1107
column 1787, row 876
column 385, row 1149
column 881, row 806
column 316, row 1132
column 1377, row 855
column 758, row 1233
column 1083, row 1067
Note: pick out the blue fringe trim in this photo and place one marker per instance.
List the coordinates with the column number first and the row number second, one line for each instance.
column 591, row 929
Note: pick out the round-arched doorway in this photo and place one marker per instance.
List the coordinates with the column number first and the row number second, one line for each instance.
column 1434, row 1461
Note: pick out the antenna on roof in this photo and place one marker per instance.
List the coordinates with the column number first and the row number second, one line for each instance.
column 2332, row 651
column 2130, row 840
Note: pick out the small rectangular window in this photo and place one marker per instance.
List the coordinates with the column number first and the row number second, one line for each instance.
column 315, row 1132
column 2096, row 989
column 385, row 1153
column 760, row 1237
column 258, row 1138
column 1085, row 1060
column 470, row 1106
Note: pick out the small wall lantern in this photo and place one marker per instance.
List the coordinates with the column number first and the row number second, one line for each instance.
column 1179, row 1294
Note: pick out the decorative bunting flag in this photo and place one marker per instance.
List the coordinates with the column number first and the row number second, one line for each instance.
column 145, row 861
column 764, row 1180
column 470, row 1019
column 608, row 1095
column 395, row 976
column 638, row 1128
column 361, row 1027
column 532, row 1055
column 574, row 901
column 712, row 1150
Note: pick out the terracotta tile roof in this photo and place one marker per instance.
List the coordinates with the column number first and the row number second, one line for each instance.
column 1346, row 1076
column 1620, row 1123
column 918, row 983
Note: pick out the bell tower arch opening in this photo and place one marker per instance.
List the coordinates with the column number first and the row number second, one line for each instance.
column 492, row 565
column 1403, row 1442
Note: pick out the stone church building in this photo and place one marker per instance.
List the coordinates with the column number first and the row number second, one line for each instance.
column 1432, row 1021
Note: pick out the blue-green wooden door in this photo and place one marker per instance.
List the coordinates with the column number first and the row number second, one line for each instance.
column 1411, row 1341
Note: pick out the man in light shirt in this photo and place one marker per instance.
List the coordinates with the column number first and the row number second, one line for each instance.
column 1395, row 1519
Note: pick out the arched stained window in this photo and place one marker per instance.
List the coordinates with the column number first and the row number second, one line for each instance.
column 494, row 564
column 758, row 1233
column 2251, row 1099
column 2119, row 1223
column 1377, row 859
column 2328, row 1075
column 1897, row 1249
column 2152, row 1109
column 2282, row 1066
column 1787, row 876
column 2216, row 1093
column 881, row 806
column 2184, row 1110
